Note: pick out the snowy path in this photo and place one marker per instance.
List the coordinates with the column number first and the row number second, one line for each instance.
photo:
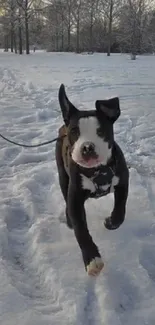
column 42, row 278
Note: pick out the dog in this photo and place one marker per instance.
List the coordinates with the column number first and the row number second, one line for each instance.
column 90, row 164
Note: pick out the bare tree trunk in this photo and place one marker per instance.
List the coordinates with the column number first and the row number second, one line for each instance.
column 78, row 33
column 27, row 28
column 12, row 25
column 6, row 43
column 62, row 41
column 133, row 43
column 133, row 31
column 91, row 31
column 12, row 38
column 69, row 36
column 105, row 25
column 110, row 28
column 134, row 27
column 15, row 43
column 57, row 40
column 140, row 28
column 20, row 33
column 20, row 41
column 12, row 34
column 69, row 28
column 62, row 33
column 57, row 32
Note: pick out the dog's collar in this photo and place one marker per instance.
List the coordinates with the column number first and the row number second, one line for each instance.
column 107, row 171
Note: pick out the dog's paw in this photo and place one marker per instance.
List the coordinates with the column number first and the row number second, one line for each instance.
column 109, row 224
column 95, row 266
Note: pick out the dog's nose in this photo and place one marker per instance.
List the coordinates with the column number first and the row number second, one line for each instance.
column 88, row 150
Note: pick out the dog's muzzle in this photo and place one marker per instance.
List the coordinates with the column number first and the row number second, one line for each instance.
column 88, row 151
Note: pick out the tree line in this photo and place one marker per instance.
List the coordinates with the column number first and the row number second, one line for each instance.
column 78, row 25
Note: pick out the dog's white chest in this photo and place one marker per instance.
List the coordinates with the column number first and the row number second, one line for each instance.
column 87, row 184
column 97, row 190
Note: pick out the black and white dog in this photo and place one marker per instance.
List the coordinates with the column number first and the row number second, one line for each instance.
column 90, row 165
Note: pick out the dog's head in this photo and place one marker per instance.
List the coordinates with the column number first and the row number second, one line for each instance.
column 90, row 132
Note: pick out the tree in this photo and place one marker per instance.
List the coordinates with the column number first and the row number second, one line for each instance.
column 134, row 25
column 24, row 10
column 78, row 25
column 93, row 10
column 68, row 11
column 8, row 20
column 150, row 35
column 37, row 24
column 12, row 23
column 77, row 13
column 55, row 25
column 110, row 10
column 20, row 39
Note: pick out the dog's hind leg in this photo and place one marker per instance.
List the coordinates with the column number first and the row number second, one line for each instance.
column 63, row 176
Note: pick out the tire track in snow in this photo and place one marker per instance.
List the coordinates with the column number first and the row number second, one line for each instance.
column 147, row 180
column 87, row 307
column 39, row 105
column 146, row 174
column 27, row 250
column 147, row 260
column 135, row 161
column 17, row 224
column 88, row 311
column 25, row 262
column 147, row 183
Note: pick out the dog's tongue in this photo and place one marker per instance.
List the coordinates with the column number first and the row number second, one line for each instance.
column 91, row 162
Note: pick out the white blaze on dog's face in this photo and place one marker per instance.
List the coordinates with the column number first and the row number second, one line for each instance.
column 97, row 149
column 90, row 132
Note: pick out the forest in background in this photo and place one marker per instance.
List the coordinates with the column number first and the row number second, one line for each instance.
column 108, row 26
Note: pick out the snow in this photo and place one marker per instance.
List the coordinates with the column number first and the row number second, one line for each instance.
column 42, row 276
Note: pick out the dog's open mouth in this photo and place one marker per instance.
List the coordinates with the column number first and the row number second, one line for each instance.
column 90, row 163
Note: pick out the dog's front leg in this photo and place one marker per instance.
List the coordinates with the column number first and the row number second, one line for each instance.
column 91, row 256
column 118, row 214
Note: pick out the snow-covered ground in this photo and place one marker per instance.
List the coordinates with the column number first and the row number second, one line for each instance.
column 42, row 276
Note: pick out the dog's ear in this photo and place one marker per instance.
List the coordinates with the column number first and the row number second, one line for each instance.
column 67, row 108
column 110, row 108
